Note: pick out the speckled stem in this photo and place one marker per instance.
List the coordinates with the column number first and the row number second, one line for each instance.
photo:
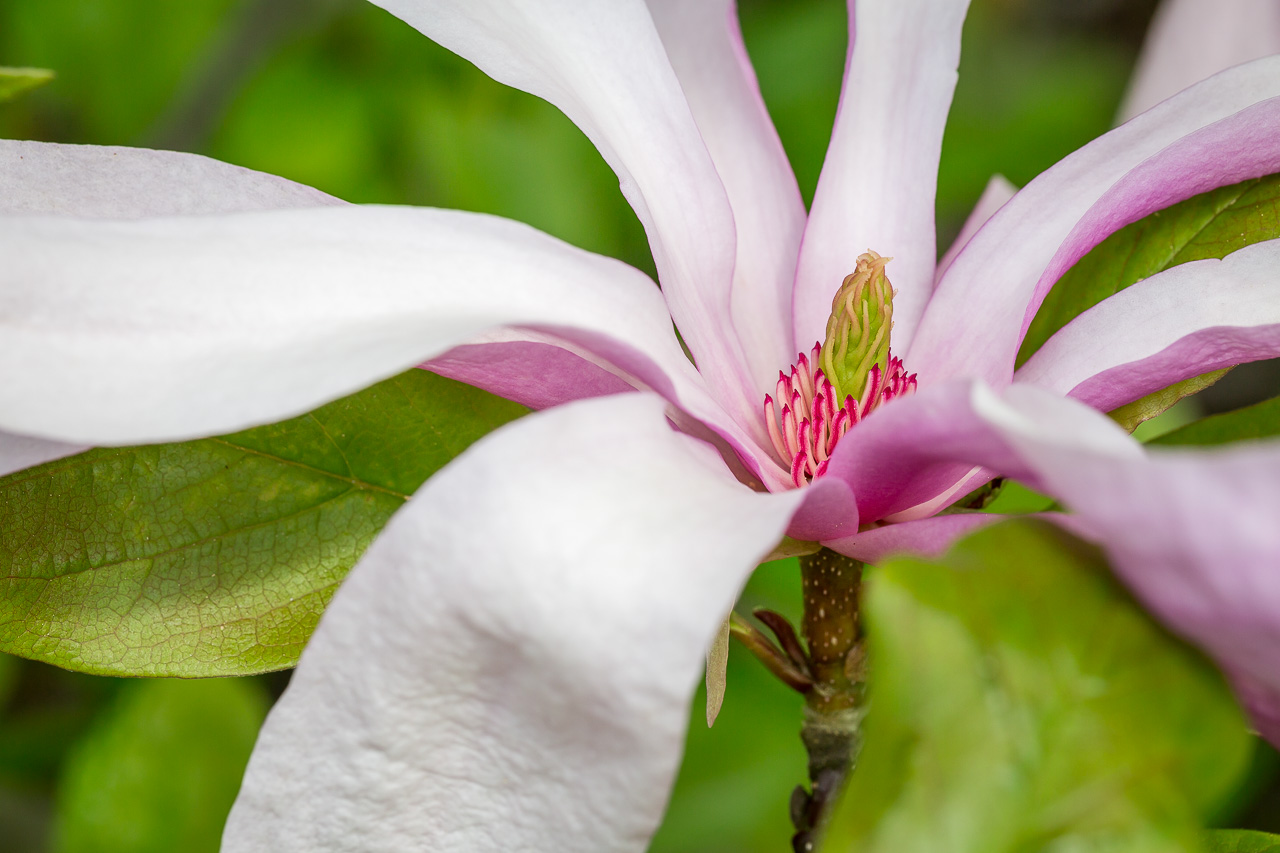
column 834, row 706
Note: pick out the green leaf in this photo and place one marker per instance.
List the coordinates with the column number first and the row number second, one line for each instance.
column 1144, row 409
column 1210, row 225
column 1261, row 420
column 1022, row 701
column 159, row 770
column 1241, row 841
column 15, row 81
column 217, row 557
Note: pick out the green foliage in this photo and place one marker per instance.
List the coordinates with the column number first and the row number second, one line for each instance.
column 1021, row 701
column 1241, row 841
column 15, row 81
column 1211, row 225
column 217, row 557
column 158, row 772
column 1261, row 420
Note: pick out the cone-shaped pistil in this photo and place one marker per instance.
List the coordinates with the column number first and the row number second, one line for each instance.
column 859, row 327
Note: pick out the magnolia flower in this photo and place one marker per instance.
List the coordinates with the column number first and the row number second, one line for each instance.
column 510, row 664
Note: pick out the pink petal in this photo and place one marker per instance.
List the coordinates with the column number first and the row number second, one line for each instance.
column 537, row 375
column 1218, row 132
column 1189, row 40
column 829, row 510
column 529, row 695
column 880, row 177
column 704, row 42
column 128, row 183
column 1188, row 320
column 926, row 537
column 906, row 453
column 605, row 66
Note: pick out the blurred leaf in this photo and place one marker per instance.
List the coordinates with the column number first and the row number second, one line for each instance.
column 216, row 557
column 1021, row 701
column 1013, row 498
column 158, row 771
column 1261, row 420
column 119, row 62
column 1210, row 225
column 15, row 81
column 1241, row 841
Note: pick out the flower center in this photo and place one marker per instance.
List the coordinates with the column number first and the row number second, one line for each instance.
column 816, row 405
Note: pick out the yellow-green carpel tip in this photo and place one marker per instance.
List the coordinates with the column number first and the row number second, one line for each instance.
column 859, row 327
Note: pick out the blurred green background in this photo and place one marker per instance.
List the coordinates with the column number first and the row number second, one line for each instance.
column 342, row 96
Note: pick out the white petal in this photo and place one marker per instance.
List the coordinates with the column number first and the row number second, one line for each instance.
column 20, row 451
column 704, row 43
column 604, row 65
column 511, row 664
column 120, row 332
column 128, row 183
column 1199, row 302
column 1190, row 40
column 994, row 196
column 881, row 173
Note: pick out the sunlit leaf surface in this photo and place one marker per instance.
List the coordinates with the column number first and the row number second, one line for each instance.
column 216, row 557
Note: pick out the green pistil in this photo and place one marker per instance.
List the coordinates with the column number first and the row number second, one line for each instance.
column 858, row 331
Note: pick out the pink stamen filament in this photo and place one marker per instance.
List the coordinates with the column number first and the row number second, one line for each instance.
column 804, row 423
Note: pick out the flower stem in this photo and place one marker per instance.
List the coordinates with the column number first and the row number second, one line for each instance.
column 834, row 705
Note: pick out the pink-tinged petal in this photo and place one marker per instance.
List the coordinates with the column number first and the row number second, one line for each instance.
column 829, row 509
column 925, row 537
column 532, row 694
column 604, row 65
column 1221, row 131
column 997, row 192
column 1193, row 533
column 704, row 43
column 119, row 332
column 545, row 369
column 20, row 451
column 1189, row 40
column 128, row 183
column 1187, row 320
column 881, row 172
column 908, row 453
column 534, row 374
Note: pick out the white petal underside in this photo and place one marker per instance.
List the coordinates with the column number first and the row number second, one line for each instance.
column 529, row 695
column 158, row 329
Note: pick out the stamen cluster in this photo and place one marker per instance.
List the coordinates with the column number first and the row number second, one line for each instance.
column 807, row 421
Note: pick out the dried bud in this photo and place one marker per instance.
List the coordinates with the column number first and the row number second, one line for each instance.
column 858, row 331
